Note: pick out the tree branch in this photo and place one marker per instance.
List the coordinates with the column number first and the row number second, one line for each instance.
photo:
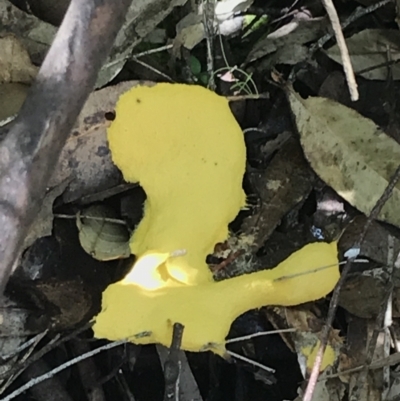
column 33, row 142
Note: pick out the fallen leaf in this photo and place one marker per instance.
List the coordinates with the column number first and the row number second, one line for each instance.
column 85, row 159
column 370, row 48
column 376, row 242
column 363, row 293
column 349, row 152
column 12, row 96
column 15, row 63
column 190, row 29
column 286, row 44
column 368, row 385
column 102, row 239
column 307, row 337
column 142, row 17
column 43, row 223
column 35, row 35
column 285, row 183
column 190, row 32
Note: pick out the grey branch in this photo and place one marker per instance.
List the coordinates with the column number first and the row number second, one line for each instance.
column 33, row 142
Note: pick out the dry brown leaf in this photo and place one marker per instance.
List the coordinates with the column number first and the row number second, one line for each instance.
column 369, row 48
column 349, row 152
column 12, row 96
column 15, row 63
column 363, row 293
column 43, row 223
column 376, row 241
column 278, row 193
column 85, row 158
column 33, row 33
column 287, row 42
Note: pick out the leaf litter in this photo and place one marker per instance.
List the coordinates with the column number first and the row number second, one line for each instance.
column 335, row 145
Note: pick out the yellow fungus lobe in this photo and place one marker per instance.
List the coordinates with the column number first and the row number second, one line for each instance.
column 184, row 147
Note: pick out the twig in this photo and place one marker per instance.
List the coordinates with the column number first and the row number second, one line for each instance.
column 58, row 369
column 96, row 218
column 387, row 64
column 47, row 390
column 33, row 341
column 209, row 31
column 358, row 13
column 33, row 141
column 237, row 98
column 335, row 296
column 344, row 52
column 259, row 334
column 33, row 345
column 43, row 351
column 151, row 68
column 188, row 388
column 318, row 269
column 172, row 366
column 153, row 51
column 390, row 360
column 250, row 361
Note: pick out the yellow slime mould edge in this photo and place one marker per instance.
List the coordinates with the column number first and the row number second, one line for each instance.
column 185, row 148
column 208, row 310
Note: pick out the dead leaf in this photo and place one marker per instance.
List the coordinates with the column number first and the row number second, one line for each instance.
column 34, row 34
column 85, row 159
column 307, row 337
column 15, row 63
column 102, row 239
column 284, row 184
column 190, row 29
column 12, row 96
column 376, row 241
column 142, row 17
column 369, row 384
column 287, row 42
column 43, row 223
column 363, row 293
column 72, row 299
column 190, row 32
column 370, row 48
column 349, row 152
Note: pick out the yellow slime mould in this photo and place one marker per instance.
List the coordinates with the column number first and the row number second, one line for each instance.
column 185, row 148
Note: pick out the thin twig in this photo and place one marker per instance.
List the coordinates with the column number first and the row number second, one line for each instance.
column 151, row 68
column 237, row 98
column 318, row 269
column 43, row 351
column 390, row 360
column 358, row 13
column 209, row 31
column 259, row 334
column 96, row 218
column 33, row 341
column 335, row 296
column 153, row 51
column 344, row 52
column 58, row 369
column 250, row 361
column 25, row 357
